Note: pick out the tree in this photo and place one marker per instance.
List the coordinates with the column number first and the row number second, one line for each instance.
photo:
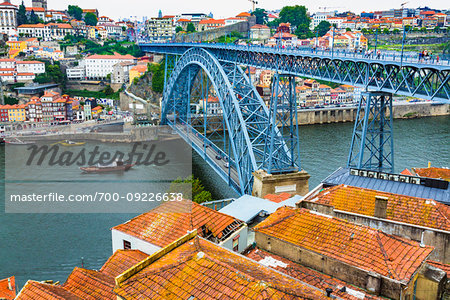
column 261, row 16
column 34, row 19
column 437, row 29
column 303, row 31
column 386, row 31
column 90, row 19
column 76, row 12
column 108, row 90
column 396, row 31
column 22, row 15
column 190, row 27
column 296, row 15
column 423, row 29
column 348, row 29
column 322, row 28
column 178, row 29
column 203, row 196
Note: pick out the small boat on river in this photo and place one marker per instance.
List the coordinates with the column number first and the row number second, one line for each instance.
column 117, row 166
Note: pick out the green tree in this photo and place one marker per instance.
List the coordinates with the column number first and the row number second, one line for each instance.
column 396, row 31
column 22, row 15
column 34, row 19
column 190, row 27
column 108, row 90
column 203, row 196
column 386, row 31
column 90, row 19
column 75, row 11
column 303, row 31
column 296, row 15
column 261, row 15
column 348, row 29
column 322, row 28
column 437, row 29
column 423, row 29
column 178, row 29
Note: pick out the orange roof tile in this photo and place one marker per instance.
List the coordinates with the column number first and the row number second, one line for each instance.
column 90, row 284
column 43, row 291
column 356, row 245
column 243, row 15
column 121, row 261
column 115, row 56
column 36, row 9
column 173, row 219
column 5, row 291
column 400, row 208
column 307, row 275
column 433, row 172
column 140, row 68
column 443, row 267
column 277, row 198
column 406, row 172
column 204, row 270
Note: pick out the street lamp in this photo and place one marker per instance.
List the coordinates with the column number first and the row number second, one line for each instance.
column 403, row 44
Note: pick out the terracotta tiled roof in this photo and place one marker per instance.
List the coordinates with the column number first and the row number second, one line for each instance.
column 433, row 172
column 259, row 26
column 243, row 15
column 307, row 275
column 36, row 9
column 204, row 270
column 43, row 291
column 5, row 292
column 443, row 267
column 173, row 219
column 356, row 245
column 90, row 284
column 121, row 261
column 406, row 172
column 30, row 62
column 277, row 198
column 400, row 208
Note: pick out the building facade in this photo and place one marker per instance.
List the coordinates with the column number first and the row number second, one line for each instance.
column 8, row 17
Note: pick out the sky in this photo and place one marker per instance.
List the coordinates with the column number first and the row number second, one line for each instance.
column 227, row 8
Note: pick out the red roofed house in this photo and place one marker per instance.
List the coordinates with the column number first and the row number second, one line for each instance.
column 171, row 220
column 383, row 264
column 211, row 106
column 8, row 288
column 259, row 32
column 8, row 25
column 209, row 24
column 422, row 220
column 195, row 268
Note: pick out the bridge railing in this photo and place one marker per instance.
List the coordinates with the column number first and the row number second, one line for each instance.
column 382, row 56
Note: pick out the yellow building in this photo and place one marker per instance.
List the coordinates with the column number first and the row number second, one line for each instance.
column 137, row 71
column 16, row 113
column 97, row 32
column 96, row 111
column 15, row 48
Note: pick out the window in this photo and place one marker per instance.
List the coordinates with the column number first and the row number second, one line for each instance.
column 126, row 245
column 236, row 244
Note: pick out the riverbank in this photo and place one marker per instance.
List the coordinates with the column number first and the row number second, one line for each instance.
column 403, row 110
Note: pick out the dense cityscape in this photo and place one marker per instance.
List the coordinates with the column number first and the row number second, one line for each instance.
column 185, row 156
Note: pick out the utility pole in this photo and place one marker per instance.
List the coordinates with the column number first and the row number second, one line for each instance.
column 254, row 2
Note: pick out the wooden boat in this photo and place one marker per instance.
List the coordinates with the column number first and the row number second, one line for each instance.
column 18, row 142
column 68, row 143
column 117, row 167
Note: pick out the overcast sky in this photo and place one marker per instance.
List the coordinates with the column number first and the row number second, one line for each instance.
column 226, row 8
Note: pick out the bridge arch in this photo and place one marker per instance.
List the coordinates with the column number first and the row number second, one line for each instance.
column 245, row 115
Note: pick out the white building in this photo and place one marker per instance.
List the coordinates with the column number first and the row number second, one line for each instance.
column 76, row 73
column 46, row 32
column 38, row 11
column 321, row 16
column 212, row 106
column 99, row 66
column 35, row 67
column 160, row 28
column 8, row 17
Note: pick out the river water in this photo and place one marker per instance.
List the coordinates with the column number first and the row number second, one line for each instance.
column 49, row 246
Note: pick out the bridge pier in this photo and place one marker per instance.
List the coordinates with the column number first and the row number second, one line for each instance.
column 296, row 183
column 372, row 146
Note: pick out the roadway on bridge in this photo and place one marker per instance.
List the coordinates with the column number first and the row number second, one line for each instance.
column 210, row 152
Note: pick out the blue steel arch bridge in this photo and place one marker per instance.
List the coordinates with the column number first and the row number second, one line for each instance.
column 238, row 133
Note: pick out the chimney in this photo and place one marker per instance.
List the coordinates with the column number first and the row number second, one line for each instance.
column 9, row 284
column 381, row 206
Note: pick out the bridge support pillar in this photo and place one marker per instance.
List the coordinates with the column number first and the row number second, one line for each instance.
column 296, row 183
column 372, row 145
